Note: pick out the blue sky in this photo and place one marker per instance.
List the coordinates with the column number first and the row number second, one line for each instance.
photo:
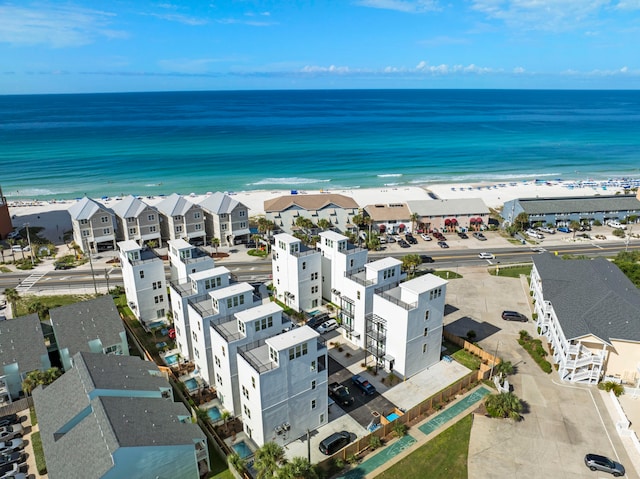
column 119, row 45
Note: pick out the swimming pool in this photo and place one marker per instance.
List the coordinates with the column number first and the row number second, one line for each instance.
column 171, row 360
column 242, row 449
column 156, row 324
column 191, row 384
column 392, row 417
column 214, row 413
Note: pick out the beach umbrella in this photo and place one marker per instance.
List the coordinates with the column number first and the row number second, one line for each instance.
column 382, row 228
column 447, row 222
column 454, row 221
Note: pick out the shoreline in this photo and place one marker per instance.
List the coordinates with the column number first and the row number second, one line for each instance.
column 53, row 217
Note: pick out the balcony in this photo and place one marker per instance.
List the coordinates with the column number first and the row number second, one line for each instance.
column 257, row 355
column 389, row 293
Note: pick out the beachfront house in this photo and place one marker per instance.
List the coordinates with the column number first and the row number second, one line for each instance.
column 6, row 226
column 463, row 214
column 186, row 259
column 283, row 380
column 297, row 273
column 93, row 326
column 229, row 333
column 181, row 219
column 94, row 226
column 389, row 218
column 197, row 284
column 137, row 221
column 226, row 219
column 593, row 327
column 562, row 211
column 337, row 210
column 113, row 417
column 144, row 284
column 22, row 350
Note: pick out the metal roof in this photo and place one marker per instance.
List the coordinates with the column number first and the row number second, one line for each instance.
column 573, row 204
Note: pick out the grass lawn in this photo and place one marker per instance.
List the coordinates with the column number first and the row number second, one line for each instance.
column 444, row 457
column 467, row 359
column 38, row 452
column 445, row 274
column 49, row 302
column 512, row 271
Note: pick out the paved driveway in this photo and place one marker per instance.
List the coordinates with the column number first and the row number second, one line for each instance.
column 562, row 422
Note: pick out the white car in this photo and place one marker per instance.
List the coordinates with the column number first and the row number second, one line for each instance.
column 534, row 234
column 327, row 326
column 425, row 237
column 486, row 256
column 13, row 445
column 617, row 225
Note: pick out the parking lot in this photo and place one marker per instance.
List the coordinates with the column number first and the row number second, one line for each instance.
column 28, row 466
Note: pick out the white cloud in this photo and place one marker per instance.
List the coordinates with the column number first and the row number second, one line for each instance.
column 551, row 15
column 55, row 26
column 187, row 65
column 518, row 70
column 628, row 5
column 179, row 18
column 623, row 71
column 407, row 6
column 329, row 69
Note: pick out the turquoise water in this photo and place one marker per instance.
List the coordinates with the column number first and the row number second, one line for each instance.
column 242, row 449
column 214, row 413
column 171, row 360
column 392, row 417
column 386, row 454
column 454, row 410
column 64, row 146
column 191, row 384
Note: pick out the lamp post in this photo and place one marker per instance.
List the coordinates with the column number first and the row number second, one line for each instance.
column 26, row 225
column 495, row 358
column 93, row 274
column 106, row 276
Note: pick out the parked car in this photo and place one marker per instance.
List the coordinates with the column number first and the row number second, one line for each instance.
column 390, row 239
column 547, row 230
column 486, row 256
column 463, row 235
column 443, row 244
column 335, row 442
column 14, row 475
column 410, row 239
column 479, row 236
column 13, row 458
column 11, row 446
column 13, row 235
column 315, row 321
column 364, row 385
column 9, row 419
column 514, row 316
column 16, row 248
column 564, row 229
column 596, row 462
column 617, row 225
column 9, row 432
column 403, row 243
column 327, row 326
column 534, row 234
column 11, row 471
column 340, row 394
column 426, row 259
column 425, row 237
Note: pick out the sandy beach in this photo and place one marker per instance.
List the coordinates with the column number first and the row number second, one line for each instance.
column 54, row 218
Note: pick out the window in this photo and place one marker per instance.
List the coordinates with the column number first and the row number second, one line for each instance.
column 223, row 351
column 132, row 231
column 241, row 327
column 351, row 263
column 178, row 228
column 158, row 299
column 321, row 418
column 111, row 350
column 141, row 272
column 304, row 265
column 299, row 350
column 106, row 231
column 198, row 227
column 246, row 410
column 313, row 384
column 193, row 334
column 84, row 222
column 85, row 233
column 426, row 331
column 157, row 284
column 273, row 355
column 223, row 226
column 151, row 217
column 253, row 382
column 245, row 392
column 313, row 404
column 217, row 360
column 242, row 213
column 160, row 313
column 263, row 323
column 314, row 289
column 314, row 276
column 424, row 348
column 313, row 365
column 243, row 224
column 196, row 353
column 104, row 219
column 426, row 315
column 177, row 218
column 196, row 215
column 219, row 379
column 358, row 295
column 152, row 229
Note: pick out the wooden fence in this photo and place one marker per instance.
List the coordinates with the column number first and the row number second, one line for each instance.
column 17, row 406
column 488, row 359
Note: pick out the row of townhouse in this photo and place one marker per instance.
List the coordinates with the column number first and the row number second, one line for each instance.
column 96, row 227
column 339, row 211
column 397, row 322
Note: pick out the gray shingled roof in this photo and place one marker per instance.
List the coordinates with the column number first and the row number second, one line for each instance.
column 129, row 207
column 76, row 324
column 219, row 203
column 590, row 297
column 540, row 206
column 174, row 205
column 454, row 207
column 22, row 342
column 84, row 209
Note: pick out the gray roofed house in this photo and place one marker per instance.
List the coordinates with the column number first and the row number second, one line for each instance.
column 137, row 220
column 92, row 427
column 94, row 227
column 181, row 218
column 590, row 313
column 561, row 211
column 22, row 349
column 468, row 213
column 94, row 326
column 225, row 218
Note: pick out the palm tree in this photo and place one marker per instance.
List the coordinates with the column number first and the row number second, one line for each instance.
column 504, row 405
column 297, row 468
column 13, row 297
column 225, row 417
column 234, row 460
column 504, row 367
column 153, row 244
column 256, row 239
column 411, row 262
column 521, row 222
column 23, row 244
column 415, row 217
column 2, row 252
column 215, row 242
column 324, row 224
column 267, row 460
column 575, row 226
column 38, row 307
column 12, row 242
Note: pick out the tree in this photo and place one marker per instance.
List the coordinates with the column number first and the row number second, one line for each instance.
column 256, row 239
column 38, row 307
column 297, row 468
column 504, row 367
column 36, row 378
column 13, row 297
column 373, row 242
column 575, row 226
column 215, row 242
column 239, row 464
column 504, row 405
column 521, row 222
column 415, row 217
column 267, row 460
column 411, row 262
column 2, row 252
column 225, row 415
column 152, row 244
column 12, row 242
column 305, row 223
column 324, row 224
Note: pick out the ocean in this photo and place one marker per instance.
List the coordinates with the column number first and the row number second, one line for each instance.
column 66, row 146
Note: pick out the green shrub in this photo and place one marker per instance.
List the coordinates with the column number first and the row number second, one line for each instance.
column 536, row 351
column 399, row 429
column 617, row 388
column 375, row 442
column 618, row 233
column 36, row 442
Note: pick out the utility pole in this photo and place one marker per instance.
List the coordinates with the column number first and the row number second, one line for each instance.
column 93, row 274
column 106, row 276
column 26, row 225
column 495, row 358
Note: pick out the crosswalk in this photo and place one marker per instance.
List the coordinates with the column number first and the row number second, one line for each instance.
column 27, row 283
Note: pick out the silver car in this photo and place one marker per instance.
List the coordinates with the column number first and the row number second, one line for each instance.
column 596, row 462
column 10, row 432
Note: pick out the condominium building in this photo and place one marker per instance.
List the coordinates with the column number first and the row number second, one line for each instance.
column 186, row 259
column 137, row 221
column 297, row 273
column 283, row 384
column 225, row 218
column 94, row 226
column 181, row 219
column 144, row 283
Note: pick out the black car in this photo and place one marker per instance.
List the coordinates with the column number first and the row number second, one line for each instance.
column 315, row 321
column 596, row 462
column 9, row 419
column 514, row 316
column 15, row 457
column 443, row 244
column 463, row 235
column 479, row 236
column 403, row 244
column 335, row 442
column 426, row 259
column 410, row 239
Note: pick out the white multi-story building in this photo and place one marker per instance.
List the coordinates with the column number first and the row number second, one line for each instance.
column 283, row 385
column 181, row 219
column 137, row 221
column 339, row 257
column 215, row 304
column 144, row 283
column 196, row 285
column 297, row 273
column 404, row 329
column 186, row 259
column 228, row 333
column 226, row 219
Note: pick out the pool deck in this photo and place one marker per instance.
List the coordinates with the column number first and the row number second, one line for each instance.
column 417, row 436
